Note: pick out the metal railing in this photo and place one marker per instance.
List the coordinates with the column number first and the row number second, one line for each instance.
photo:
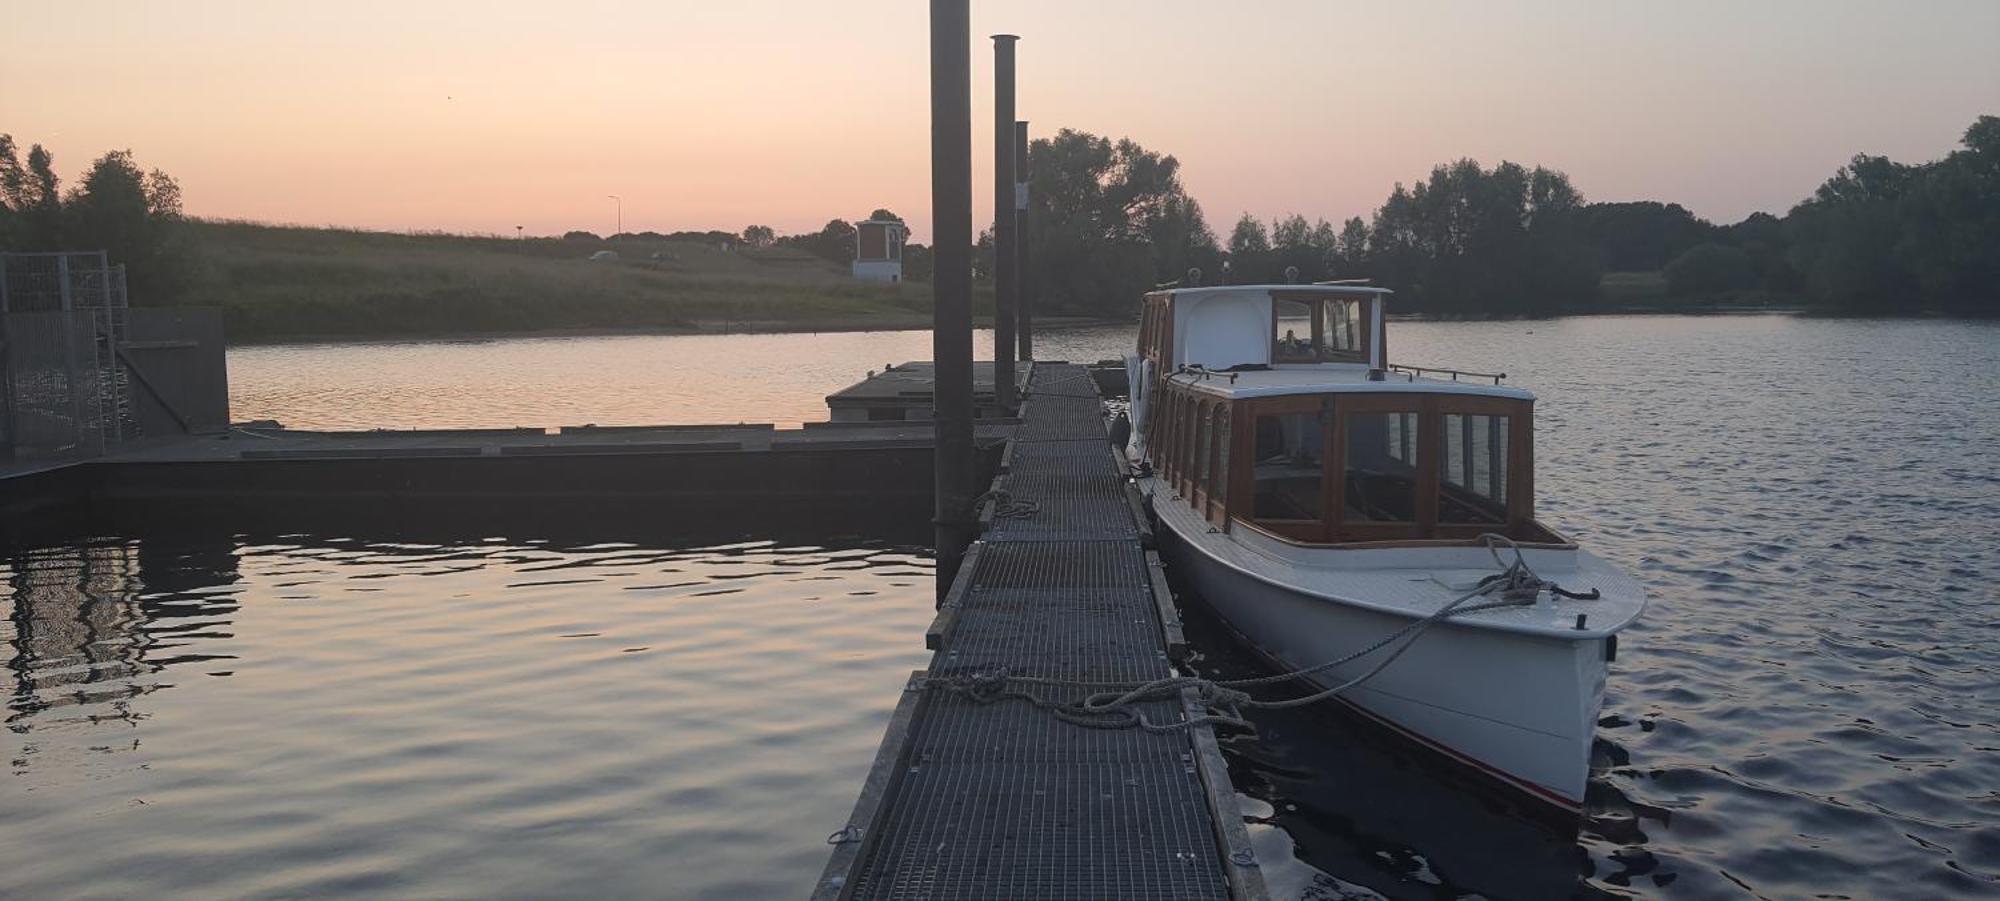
column 1455, row 374
column 63, row 390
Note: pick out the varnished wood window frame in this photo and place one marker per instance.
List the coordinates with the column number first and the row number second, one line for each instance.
column 1425, row 501
column 1295, row 530
column 1431, row 408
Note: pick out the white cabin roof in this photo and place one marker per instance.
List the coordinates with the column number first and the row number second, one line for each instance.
column 1323, row 378
column 1231, row 325
column 1325, row 290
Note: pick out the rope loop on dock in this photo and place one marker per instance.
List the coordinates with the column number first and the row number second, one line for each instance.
column 1220, row 702
column 1005, row 506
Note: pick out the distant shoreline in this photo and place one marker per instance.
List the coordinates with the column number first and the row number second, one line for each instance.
column 830, row 325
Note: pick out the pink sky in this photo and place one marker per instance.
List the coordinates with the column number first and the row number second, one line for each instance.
column 482, row 116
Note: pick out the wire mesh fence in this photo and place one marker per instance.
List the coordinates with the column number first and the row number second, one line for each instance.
column 62, row 317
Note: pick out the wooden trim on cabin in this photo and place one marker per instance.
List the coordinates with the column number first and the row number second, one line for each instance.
column 1242, row 458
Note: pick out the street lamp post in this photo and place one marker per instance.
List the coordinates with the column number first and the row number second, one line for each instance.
column 621, row 214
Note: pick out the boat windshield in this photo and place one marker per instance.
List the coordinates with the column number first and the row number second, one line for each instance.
column 1308, row 328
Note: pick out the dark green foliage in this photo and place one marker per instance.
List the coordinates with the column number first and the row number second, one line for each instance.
column 132, row 215
column 1474, row 242
column 834, row 241
column 1111, row 221
column 1710, row 269
column 1886, row 237
column 1641, row 236
column 759, row 236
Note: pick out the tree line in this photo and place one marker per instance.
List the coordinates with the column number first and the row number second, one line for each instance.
column 132, row 214
column 1878, row 237
column 1112, row 219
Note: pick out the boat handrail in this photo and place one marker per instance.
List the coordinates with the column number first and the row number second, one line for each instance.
column 1421, row 371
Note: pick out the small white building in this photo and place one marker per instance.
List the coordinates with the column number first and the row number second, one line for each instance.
column 878, row 250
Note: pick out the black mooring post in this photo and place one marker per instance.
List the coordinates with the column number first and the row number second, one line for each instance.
column 951, row 281
column 1024, row 288
column 1004, row 267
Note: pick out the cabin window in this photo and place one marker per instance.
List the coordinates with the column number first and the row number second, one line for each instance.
column 1286, row 471
column 1381, row 478
column 1293, row 331
column 1341, row 332
column 1473, row 469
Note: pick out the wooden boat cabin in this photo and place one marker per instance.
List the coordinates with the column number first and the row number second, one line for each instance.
column 1275, row 408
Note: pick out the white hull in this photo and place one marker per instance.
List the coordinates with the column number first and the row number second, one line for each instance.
column 1519, row 706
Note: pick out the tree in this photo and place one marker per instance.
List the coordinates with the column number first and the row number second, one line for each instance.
column 32, row 197
column 12, row 180
column 759, row 236
column 135, row 217
column 1249, row 252
column 1887, row 237
column 834, row 241
column 1111, row 219
column 1471, row 241
column 1709, row 269
column 1351, row 251
column 1642, row 236
column 1292, row 248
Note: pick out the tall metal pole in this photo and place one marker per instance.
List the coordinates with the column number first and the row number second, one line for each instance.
column 1024, row 301
column 951, row 283
column 1004, row 261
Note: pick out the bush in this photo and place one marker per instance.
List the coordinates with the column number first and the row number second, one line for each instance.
column 1710, row 269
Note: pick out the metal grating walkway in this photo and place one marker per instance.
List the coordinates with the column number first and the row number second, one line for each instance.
column 1002, row 800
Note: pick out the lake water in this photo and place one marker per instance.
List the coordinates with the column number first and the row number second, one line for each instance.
column 1811, row 708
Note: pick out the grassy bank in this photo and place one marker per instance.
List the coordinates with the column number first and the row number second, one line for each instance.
column 278, row 283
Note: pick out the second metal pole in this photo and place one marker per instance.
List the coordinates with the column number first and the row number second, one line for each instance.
column 1003, row 222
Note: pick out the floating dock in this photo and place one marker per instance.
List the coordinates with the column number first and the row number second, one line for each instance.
column 903, row 391
column 840, row 466
column 1002, row 800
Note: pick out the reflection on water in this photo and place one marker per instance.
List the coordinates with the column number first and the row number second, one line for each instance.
column 624, row 380
column 1812, row 707
column 225, row 715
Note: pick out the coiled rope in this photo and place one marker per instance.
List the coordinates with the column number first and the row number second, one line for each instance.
column 1114, row 705
column 1005, row 506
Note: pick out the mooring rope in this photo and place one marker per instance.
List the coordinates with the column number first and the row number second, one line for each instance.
column 1114, row 705
column 1005, row 506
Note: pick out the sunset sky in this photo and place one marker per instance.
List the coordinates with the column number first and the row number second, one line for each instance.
column 482, row 116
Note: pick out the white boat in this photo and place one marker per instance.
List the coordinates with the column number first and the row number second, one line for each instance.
column 1320, row 499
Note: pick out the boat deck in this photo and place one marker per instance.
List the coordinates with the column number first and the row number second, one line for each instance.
column 1002, row 800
